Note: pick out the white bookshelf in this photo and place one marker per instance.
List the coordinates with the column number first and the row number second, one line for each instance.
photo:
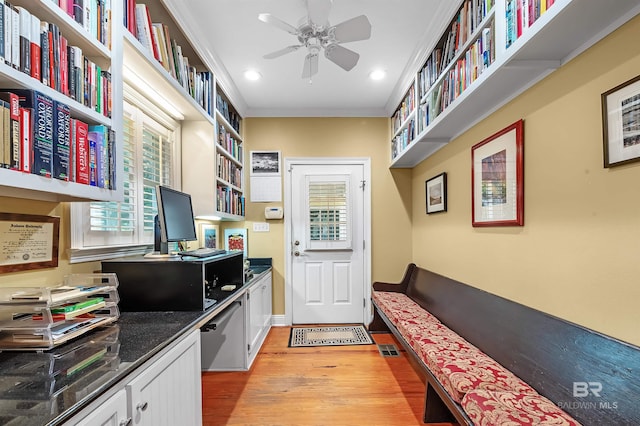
column 566, row 29
column 30, row 186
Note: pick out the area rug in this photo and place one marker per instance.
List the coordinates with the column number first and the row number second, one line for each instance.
column 329, row 336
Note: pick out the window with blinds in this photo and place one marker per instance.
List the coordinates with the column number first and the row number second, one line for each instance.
column 149, row 159
column 328, row 213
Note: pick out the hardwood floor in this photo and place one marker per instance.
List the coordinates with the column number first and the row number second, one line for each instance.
column 335, row 385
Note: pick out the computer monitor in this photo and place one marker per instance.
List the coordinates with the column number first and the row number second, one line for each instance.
column 175, row 218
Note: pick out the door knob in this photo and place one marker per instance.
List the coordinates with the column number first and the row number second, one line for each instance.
column 296, row 253
column 296, row 243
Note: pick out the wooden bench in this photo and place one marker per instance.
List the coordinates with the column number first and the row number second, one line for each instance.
column 593, row 378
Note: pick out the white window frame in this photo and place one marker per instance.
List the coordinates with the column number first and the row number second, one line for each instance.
column 147, row 113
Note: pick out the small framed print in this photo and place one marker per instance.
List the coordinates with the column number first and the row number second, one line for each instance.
column 209, row 235
column 236, row 240
column 436, row 194
column 621, row 123
column 497, row 178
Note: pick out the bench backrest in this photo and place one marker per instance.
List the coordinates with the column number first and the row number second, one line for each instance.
column 593, row 377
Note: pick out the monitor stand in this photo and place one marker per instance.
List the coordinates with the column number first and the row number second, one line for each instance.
column 161, row 248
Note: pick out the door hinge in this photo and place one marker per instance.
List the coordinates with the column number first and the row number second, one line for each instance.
column 364, row 303
column 362, row 184
column 248, row 347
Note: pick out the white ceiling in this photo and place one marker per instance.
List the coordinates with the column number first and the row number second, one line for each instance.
column 231, row 40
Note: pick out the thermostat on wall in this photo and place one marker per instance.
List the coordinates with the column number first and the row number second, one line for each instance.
column 273, row 213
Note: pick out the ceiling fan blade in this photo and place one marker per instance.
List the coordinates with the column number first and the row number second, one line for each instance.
column 318, row 11
column 281, row 52
column 354, row 29
column 277, row 22
column 341, row 56
column 310, row 65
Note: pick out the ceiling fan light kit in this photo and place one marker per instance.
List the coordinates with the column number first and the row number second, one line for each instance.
column 316, row 34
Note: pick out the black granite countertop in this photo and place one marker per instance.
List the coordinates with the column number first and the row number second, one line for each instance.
column 47, row 388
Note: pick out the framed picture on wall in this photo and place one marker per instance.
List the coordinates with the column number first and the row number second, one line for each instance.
column 436, row 194
column 621, row 123
column 265, row 163
column 235, row 239
column 209, row 235
column 497, row 178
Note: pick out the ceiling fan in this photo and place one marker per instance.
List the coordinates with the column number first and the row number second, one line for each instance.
column 315, row 33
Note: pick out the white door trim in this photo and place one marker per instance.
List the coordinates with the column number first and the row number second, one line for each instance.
column 288, row 289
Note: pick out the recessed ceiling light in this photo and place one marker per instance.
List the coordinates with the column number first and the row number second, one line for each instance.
column 252, row 75
column 377, row 74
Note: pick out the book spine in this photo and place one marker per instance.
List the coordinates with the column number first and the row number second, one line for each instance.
column 71, row 71
column 63, row 66
column 27, row 139
column 35, row 48
column 15, row 38
column 24, row 39
column 61, row 141
column 5, row 145
column 44, row 52
column 93, row 156
column 14, row 118
column 2, row 23
column 82, row 152
column 78, row 9
column 7, row 33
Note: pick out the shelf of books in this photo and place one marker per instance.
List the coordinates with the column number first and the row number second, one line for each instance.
column 403, row 122
column 188, row 91
column 57, row 97
column 491, row 52
column 230, row 201
column 41, row 318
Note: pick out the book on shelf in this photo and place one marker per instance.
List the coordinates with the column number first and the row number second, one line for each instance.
column 61, row 141
column 13, row 104
column 42, row 118
column 24, row 39
column 5, row 133
column 79, row 134
column 35, row 48
column 26, row 137
column 15, row 37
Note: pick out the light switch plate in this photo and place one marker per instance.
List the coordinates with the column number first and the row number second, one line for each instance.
column 260, row 227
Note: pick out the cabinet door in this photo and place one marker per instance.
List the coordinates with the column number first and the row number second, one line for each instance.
column 168, row 391
column 113, row 412
column 255, row 319
column 266, row 302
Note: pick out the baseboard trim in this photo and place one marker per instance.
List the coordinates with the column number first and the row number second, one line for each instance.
column 279, row 321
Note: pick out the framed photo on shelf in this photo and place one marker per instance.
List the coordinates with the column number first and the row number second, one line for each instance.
column 209, row 235
column 621, row 123
column 236, row 240
column 436, row 193
column 497, row 178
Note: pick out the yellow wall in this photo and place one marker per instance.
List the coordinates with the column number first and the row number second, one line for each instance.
column 47, row 276
column 335, row 137
column 577, row 255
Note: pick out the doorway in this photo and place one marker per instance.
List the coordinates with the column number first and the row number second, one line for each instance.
column 327, row 241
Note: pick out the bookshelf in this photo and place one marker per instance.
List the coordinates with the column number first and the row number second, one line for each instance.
column 212, row 172
column 101, row 48
column 565, row 29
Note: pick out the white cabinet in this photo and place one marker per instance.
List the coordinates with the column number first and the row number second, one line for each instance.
column 457, row 96
column 165, row 391
column 169, row 391
column 112, row 412
column 258, row 314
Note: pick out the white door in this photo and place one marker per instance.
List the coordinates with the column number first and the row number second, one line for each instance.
column 327, row 243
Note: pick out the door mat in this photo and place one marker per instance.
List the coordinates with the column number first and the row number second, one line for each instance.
column 329, row 336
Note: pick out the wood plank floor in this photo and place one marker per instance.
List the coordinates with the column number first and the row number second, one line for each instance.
column 334, row 385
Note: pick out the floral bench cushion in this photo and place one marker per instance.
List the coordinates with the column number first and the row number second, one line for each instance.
column 462, row 369
column 490, row 408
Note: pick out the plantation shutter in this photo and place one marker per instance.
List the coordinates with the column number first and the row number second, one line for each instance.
column 329, row 216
